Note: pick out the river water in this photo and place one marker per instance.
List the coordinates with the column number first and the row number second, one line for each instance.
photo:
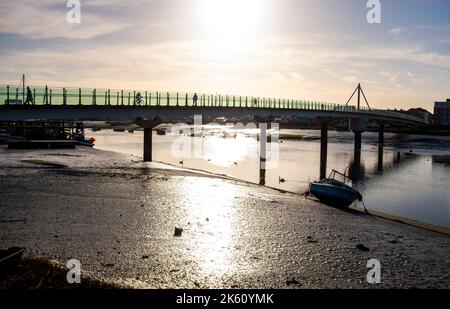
column 411, row 181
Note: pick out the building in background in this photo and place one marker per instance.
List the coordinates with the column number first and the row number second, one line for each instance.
column 442, row 113
column 420, row 113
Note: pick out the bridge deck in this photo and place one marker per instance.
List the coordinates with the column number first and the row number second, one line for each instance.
column 91, row 104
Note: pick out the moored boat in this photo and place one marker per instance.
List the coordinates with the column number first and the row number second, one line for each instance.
column 334, row 192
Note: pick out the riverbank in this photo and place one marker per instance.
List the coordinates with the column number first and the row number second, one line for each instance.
column 117, row 215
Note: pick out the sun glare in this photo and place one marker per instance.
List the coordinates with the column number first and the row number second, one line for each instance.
column 228, row 19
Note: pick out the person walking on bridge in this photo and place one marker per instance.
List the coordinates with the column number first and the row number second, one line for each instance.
column 195, row 99
column 29, row 99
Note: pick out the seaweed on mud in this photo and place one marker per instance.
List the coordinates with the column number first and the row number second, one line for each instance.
column 40, row 273
column 44, row 163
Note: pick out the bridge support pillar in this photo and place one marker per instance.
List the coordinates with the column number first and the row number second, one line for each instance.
column 381, row 134
column 148, row 138
column 358, row 146
column 355, row 167
column 398, row 158
column 380, row 147
column 358, row 126
column 263, row 140
column 323, row 149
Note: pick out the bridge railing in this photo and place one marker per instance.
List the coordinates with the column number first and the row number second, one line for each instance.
column 85, row 96
column 109, row 97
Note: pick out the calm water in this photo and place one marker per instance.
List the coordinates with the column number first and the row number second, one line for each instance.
column 414, row 180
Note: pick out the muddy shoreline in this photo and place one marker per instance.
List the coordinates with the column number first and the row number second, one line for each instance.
column 117, row 216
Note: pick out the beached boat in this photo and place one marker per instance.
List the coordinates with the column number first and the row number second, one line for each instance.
column 10, row 258
column 334, row 192
column 160, row 131
column 86, row 142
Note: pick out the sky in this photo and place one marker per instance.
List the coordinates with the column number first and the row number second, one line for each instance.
column 297, row 49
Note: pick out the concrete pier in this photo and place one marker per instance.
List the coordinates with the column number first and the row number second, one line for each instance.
column 358, row 126
column 323, row 149
column 148, row 144
column 358, row 146
column 263, row 140
column 148, row 138
column 380, row 147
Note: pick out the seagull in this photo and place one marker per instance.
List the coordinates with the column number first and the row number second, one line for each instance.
column 281, row 180
column 181, row 162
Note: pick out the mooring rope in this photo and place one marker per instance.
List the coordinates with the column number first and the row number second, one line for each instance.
column 364, row 205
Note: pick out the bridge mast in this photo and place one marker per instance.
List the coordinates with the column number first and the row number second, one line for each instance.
column 359, row 96
column 360, row 91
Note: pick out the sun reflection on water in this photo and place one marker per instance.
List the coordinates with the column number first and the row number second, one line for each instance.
column 211, row 213
column 231, row 150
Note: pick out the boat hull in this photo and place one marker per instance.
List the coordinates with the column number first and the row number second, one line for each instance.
column 334, row 196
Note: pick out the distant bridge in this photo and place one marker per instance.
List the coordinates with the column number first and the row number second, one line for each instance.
column 145, row 107
column 106, row 104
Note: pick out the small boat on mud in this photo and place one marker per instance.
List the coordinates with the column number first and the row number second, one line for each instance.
column 10, row 258
column 334, row 192
column 85, row 142
column 160, row 131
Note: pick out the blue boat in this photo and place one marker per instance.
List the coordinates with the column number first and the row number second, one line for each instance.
column 333, row 192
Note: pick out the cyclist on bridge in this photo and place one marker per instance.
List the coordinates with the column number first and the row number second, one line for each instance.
column 138, row 98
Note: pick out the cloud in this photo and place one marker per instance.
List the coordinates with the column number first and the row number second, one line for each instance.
column 351, row 79
column 47, row 19
column 314, row 71
column 397, row 31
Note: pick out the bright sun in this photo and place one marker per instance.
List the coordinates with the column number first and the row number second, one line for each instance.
column 231, row 19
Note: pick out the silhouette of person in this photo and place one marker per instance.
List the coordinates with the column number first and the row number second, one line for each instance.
column 29, row 99
column 138, row 98
column 194, row 99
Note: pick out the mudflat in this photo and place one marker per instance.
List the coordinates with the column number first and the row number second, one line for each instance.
column 150, row 225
